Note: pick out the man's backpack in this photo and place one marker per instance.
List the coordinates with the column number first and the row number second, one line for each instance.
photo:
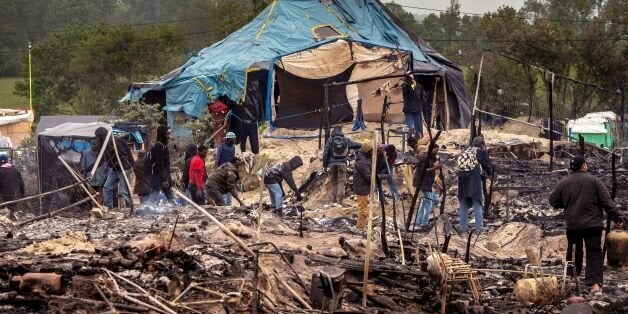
column 468, row 159
column 339, row 147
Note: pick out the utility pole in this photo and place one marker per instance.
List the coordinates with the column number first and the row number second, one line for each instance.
column 550, row 87
column 30, row 79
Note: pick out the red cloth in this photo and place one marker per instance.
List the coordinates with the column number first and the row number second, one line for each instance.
column 197, row 164
column 218, row 107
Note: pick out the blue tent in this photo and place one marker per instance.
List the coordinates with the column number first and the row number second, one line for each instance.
column 274, row 67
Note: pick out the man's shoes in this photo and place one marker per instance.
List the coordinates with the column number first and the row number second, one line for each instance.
column 596, row 289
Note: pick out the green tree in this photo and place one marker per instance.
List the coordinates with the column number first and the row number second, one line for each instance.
column 406, row 17
column 86, row 70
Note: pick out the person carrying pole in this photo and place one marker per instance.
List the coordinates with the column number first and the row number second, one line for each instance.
column 114, row 173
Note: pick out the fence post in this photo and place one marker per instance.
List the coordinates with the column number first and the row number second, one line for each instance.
column 550, row 87
column 623, row 111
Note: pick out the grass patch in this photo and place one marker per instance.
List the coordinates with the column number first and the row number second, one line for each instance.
column 7, row 99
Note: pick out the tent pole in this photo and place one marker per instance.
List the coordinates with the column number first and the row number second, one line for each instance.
column 100, row 154
column 126, row 178
column 328, row 108
column 434, row 95
column 446, row 104
column 550, row 88
column 82, row 182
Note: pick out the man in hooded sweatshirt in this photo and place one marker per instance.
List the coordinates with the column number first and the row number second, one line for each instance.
column 362, row 181
column 11, row 184
column 115, row 177
column 159, row 162
column 335, row 158
column 274, row 178
column 471, row 163
column 224, row 180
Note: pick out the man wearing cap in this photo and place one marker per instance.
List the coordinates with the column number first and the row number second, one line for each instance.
column 274, row 178
column 362, row 181
column 11, row 184
column 225, row 151
column 584, row 198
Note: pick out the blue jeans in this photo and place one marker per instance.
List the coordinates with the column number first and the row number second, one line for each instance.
column 478, row 212
column 113, row 179
column 392, row 184
column 228, row 199
column 430, row 200
column 276, row 195
column 413, row 121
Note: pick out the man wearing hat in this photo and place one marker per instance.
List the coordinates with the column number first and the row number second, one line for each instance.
column 226, row 151
column 11, row 184
column 362, row 181
column 584, row 198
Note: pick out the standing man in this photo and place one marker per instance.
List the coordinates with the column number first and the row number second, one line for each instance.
column 87, row 162
column 584, row 198
column 225, row 151
column 197, row 175
column 224, row 180
column 386, row 158
column 142, row 178
column 159, row 163
column 11, row 184
column 191, row 150
column 429, row 198
column 412, row 104
column 362, row 181
column 335, row 158
column 274, row 178
column 114, row 174
column 471, row 163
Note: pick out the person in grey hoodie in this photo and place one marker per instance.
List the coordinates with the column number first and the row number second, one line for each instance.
column 276, row 175
column 335, row 161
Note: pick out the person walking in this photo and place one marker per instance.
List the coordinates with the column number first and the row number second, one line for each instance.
column 224, row 180
column 159, row 163
column 362, row 181
column 115, row 177
column 142, row 178
column 471, row 163
column 386, row 158
column 413, row 97
column 226, row 151
column 335, row 162
column 585, row 198
column 426, row 177
column 11, row 185
column 274, row 178
column 197, row 176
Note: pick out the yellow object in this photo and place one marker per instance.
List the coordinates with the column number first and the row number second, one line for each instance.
column 363, row 202
column 367, row 145
column 617, row 244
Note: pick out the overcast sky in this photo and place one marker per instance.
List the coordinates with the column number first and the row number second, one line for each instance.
column 472, row 6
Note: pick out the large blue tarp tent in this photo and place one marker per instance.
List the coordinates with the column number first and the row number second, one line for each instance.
column 274, row 67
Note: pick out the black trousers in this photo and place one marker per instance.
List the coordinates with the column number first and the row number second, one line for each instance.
column 199, row 200
column 592, row 240
column 248, row 130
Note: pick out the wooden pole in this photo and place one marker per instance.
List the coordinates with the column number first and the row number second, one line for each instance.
column 607, row 229
column 42, row 194
column 259, row 209
column 100, row 154
column 217, row 222
column 550, row 88
column 82, row 182
column 434, row 95
column 126, row 179
column 369, row 229
column 446, row 104
column 52, row 213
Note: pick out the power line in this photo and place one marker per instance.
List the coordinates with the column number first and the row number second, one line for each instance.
column 511, row 17
column 524, row 41
column 91, row 47
column 114, row 26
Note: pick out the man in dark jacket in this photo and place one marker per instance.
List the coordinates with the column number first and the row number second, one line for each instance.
column 11, row 184
column 386, row 158
column 584, row 198
column 412, row 105
column 274, row 178
column 160, row 180
column 142, row 178
column 428, row 176
column 335, row 158
column 114, row 174
column 471, row 163
column 224, row 180
column 226, row 150
column 362, row 181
